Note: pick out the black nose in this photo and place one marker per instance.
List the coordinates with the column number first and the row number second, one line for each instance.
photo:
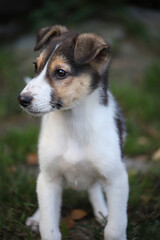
column 25, row 100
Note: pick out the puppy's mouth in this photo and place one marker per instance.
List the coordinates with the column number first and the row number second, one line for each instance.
column 40, row 112
column 36, row 113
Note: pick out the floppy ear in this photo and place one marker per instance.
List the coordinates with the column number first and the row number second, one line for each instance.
column 44, row 35
column 90, row 47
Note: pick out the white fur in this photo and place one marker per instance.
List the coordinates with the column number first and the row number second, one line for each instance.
column 40, row 90
column 80, row 148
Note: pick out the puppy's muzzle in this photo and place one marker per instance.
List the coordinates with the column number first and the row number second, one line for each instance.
column 25, row 100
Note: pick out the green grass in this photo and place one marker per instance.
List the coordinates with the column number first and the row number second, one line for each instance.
column 144, row 205
column 17, row 188
column 9, row 83
column 12, row 80
column 54, row 12
column 141, row 104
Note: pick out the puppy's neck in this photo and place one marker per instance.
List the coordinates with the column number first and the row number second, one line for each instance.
column 87, row 104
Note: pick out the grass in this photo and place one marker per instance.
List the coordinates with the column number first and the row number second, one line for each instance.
column 9, row 83
column 11, row 77
column 16, row 187
column 144, row 205
column 140, row 104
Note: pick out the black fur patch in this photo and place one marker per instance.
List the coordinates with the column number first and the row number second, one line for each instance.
column 104, row 88
column 121, row 127
column 56, row 103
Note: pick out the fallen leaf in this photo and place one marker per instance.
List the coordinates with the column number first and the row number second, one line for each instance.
column 152, row 132
column 78, row 214
column 143, row 140
column 68, row 223
column 142, row 158
column 32, row 159
column 12, row 169
column 156, row 155
column 144, row 198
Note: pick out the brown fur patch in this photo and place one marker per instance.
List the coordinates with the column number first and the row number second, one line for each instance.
column 60, row 62
column 72, row 89
column 40, row 60
column 90, row 48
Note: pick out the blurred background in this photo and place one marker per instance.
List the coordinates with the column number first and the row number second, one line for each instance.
column 133, row 30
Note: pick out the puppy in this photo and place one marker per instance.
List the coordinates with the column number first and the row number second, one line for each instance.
column 82, row 131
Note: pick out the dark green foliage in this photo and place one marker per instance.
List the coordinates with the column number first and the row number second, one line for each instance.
column 9, row 88
column 11, row 79
column 144, row 205
column 17, row 188
column 70, row 12
column 62, row 12
column 141, row 113
column 17, row 145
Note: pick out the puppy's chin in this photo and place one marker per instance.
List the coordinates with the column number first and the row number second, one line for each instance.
column 36, row 113
column 41, row 113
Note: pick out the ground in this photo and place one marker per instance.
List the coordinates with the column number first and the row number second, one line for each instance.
column 134, row 80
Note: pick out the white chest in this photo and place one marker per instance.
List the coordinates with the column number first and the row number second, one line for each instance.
column 70, row 157
column 78, row 145
column 79, row 175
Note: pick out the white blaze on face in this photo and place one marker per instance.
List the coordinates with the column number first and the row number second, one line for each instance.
column 40, row 90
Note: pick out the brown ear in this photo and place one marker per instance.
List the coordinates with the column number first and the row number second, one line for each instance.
column 90, row 47
column 44, row 35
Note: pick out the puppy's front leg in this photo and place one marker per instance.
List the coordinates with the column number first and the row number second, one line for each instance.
column 98, row 202
column 49, row 198
column 116, row 190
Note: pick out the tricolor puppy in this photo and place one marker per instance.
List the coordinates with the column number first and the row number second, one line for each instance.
column 82, row 131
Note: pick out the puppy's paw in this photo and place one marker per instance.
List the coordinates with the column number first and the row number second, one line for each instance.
column 32, row 223
column 56, row 235
column 113, row 234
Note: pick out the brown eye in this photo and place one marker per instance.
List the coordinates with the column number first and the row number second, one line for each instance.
column 35, row 66
column 61, row 73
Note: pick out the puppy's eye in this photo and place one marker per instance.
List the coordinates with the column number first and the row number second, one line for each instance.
column 61, row 73
column 35, row 66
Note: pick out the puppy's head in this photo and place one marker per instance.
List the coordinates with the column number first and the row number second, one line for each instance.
column 68, row 69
